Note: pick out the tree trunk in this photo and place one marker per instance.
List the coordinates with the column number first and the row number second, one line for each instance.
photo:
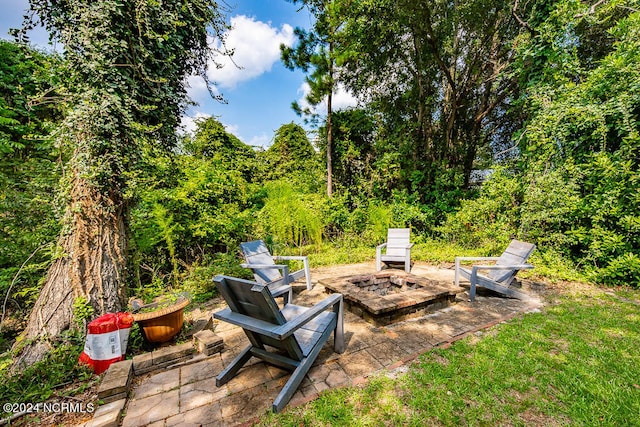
column 330, row 126
column 91, row 268
column 329, row 149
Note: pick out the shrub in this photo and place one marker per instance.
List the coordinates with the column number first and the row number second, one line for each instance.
column 623, row 270
column 491, row 218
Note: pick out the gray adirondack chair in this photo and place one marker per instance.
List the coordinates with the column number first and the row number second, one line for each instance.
column 501, row 273
column 267, row 272
column 398, row 249
column 298, row 333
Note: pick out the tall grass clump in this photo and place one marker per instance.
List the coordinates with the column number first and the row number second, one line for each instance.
column 290, row 216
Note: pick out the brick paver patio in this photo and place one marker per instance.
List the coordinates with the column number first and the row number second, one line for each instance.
column 188, row 396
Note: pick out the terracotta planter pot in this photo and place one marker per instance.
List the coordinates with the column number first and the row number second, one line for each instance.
column 163, row 324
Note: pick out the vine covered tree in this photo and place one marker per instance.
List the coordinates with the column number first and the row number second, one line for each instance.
column 123, row 86
column 291, row 153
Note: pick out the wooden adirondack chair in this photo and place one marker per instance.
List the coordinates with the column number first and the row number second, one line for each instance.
column 398, row 249
column 501, row 273
column 267, row 272
column 298, row 332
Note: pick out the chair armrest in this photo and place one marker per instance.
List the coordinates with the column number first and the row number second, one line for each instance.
column 503, row 267
column 290, row 257
column 260, row 266
column 305, row 262
column 477, row 258
column 384, row 245
column 409, row 246
column 468, row 258
column 473, row 258
column 246, row 322
column 297, row 322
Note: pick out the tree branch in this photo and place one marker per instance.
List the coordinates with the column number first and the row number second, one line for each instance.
column 13, row 282
column 591, row 10
column 436, row 53
column 520, row 21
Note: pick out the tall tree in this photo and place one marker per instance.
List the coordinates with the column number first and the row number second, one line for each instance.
column 124, row 86
column 436, row 71
column 315, row 51
column 353, row 151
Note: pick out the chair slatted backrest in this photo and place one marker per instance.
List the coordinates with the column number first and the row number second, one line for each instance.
column 256, row 252
column 256, row 301
column 397, row 241
column 516, row 253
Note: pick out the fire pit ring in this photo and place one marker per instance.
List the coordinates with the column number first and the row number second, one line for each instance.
column 388, row 297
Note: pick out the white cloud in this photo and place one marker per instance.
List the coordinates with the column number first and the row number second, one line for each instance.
column 197, row 89
column 188, row 123
column 341, row 100
column 256, row 47
column 233, row 129
column 260, row 141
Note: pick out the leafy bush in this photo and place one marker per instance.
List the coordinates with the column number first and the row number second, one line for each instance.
column 30, row 167
column 550, row 207
column 490, row 219
column 582, row 139
column 623, row 270
column 402, row 211
column 191, row 205
column 380, row 218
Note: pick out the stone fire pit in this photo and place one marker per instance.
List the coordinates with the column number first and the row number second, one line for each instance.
column 392, row 296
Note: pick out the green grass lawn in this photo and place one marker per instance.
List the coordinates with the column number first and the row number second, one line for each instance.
column 577, row 362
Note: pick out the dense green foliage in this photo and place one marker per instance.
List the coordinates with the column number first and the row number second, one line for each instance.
column 191, row 205
column 30, row 167
column 573, row 188
column 291, row 155
column 56, row 376
column 584, row 138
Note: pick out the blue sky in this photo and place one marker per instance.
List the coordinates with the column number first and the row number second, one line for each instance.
column 259, row 94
